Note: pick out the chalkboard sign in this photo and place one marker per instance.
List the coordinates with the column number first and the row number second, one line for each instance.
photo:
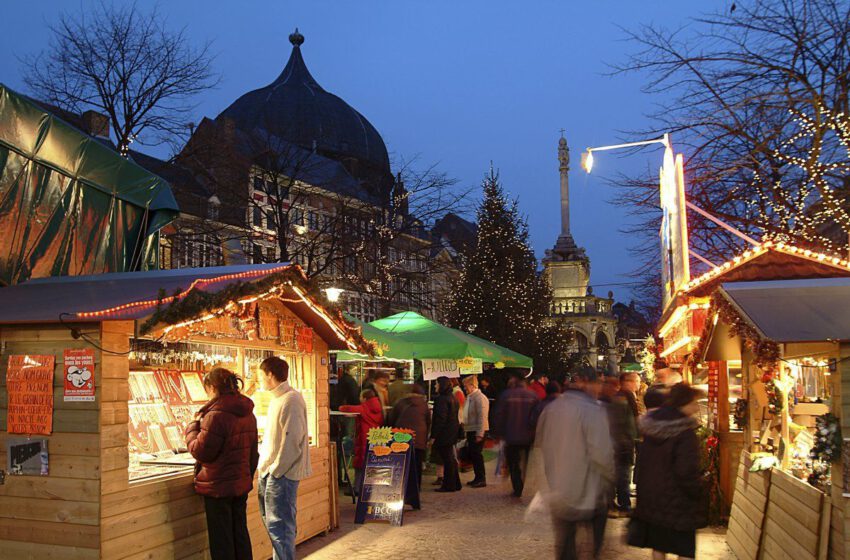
column 389, row 478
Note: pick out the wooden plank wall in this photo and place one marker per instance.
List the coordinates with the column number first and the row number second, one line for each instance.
column 748, row 510
column 165, row 519
column 56, row 516
column 792, row 524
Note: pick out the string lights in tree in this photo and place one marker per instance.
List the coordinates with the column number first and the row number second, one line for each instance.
column 500, row 295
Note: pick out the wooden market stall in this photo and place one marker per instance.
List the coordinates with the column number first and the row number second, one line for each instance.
column 115, row 483
column 685, row 320
column 792, row 338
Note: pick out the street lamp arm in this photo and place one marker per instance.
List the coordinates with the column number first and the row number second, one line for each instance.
column 665, row 141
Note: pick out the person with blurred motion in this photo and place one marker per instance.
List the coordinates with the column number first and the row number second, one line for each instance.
column 578, row 461
column 284, row 457
column 444, row 434
column 345, row 391
column 370, row 415
column 670, row 506
column 476, row 412
column 380, row 383
column 411, row 413
column 665, row 378
column 223, row 441
column 623, row 427
column 399, row 388
column 538, row 386
column 553, row 391
column 513, row 425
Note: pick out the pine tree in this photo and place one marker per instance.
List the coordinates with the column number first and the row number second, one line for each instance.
column 500, row 295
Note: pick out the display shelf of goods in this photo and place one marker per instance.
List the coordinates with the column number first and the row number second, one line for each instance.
column 162, row 404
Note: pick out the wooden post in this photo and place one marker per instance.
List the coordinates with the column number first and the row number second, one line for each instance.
column 844, row 413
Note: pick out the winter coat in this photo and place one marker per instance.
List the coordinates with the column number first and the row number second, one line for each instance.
column 538, row 389
column 667, row 474
column 224, row 444
column 444, row 424
column 476, row 413
column 623, row 429
column 539, row 407
column 412, row 413
column 371, row 415
column 578, row 458
column 513, row 416
column 346, row 391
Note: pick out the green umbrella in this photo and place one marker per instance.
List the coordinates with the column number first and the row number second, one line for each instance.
column 631, row 366
column 431, row 340
column 389, row 348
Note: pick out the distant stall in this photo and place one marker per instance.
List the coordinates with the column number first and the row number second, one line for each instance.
column 116, row 482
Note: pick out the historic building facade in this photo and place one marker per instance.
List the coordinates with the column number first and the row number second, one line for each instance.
column 291, row 172
column 567, row 269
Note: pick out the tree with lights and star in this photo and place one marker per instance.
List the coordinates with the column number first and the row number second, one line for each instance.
column 500, row 295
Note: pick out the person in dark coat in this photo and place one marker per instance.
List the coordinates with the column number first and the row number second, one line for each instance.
column 371, row 415
column 670, row 507
column 346, row 391
column 411, row 413
column 444, row 434
column 223, row 441
column 513, row 425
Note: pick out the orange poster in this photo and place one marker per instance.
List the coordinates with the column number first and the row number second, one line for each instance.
column 29, row 382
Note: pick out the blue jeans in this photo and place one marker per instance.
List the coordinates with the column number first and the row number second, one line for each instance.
column 277, row 508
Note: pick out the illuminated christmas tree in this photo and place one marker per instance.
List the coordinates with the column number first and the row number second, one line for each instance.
column 500, row 295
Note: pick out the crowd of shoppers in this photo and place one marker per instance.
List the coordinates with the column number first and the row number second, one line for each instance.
column 588, row 437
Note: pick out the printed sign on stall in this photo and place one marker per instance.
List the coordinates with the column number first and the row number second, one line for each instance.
column 470, row 366
column 79, row 375
column 29, row 382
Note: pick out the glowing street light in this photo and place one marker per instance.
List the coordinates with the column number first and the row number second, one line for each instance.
column 333, row 294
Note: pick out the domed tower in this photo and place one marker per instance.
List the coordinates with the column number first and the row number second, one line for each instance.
column 295, row 108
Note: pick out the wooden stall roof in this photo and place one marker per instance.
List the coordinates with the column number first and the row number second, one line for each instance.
column 811, row 310
column 767, row 261
column 137, row 295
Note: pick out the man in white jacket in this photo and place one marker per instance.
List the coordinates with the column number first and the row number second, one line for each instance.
column 476, row 410
column 578, row 460
column 284, row 457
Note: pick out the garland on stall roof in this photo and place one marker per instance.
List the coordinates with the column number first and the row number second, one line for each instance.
column 765, row 350
column 197, row 303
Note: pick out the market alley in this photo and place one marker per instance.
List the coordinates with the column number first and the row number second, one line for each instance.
column 471, row 524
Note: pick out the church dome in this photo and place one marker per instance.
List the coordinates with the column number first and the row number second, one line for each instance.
column 297, row 109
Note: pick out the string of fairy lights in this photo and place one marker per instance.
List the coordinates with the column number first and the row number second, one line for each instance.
column 791, row 213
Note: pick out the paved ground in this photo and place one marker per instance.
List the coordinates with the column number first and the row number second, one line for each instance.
column 472, row 524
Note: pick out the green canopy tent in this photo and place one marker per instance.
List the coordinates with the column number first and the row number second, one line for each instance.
column 69, row 203
column 431, row 340
column 389, row 348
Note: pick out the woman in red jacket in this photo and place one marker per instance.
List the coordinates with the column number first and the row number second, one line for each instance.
column 371, row 416
column 223, row 440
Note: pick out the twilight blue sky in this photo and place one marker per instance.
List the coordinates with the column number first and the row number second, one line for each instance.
column 457, row 83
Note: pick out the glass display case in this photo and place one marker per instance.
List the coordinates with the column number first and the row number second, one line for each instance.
column 166, row 392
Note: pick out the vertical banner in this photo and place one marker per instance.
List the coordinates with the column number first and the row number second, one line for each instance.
column 79, row 375
column 713, row 385
column 29, row 382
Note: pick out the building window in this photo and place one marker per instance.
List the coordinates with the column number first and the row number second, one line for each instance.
column 257, row 217
column 312, row 220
